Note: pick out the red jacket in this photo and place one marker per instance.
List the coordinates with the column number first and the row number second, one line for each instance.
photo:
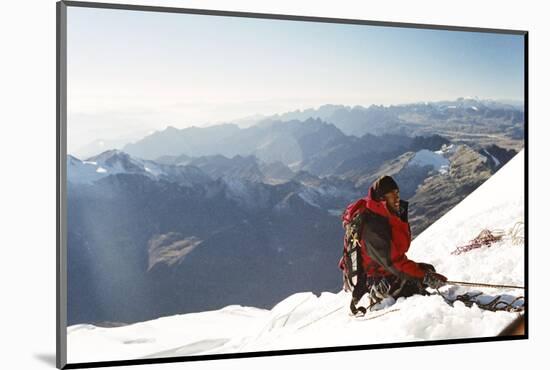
column 385, row 239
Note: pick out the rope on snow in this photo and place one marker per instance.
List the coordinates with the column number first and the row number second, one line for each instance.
column 487, row 237
column 479, row 285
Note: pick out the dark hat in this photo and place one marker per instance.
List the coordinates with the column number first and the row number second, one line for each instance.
column 384, row 185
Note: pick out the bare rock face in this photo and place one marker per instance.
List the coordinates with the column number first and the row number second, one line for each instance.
column 439, row 193
column 170, row 248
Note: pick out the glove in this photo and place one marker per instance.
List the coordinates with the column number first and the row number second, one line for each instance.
column 434, row 280
column 426, row 267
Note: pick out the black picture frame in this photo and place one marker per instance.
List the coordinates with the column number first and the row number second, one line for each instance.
column 61, row 191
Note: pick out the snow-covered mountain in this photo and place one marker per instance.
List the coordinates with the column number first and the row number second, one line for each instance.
column 110, row 162
column 113, row 162
column 304, row 320
column 151, row 234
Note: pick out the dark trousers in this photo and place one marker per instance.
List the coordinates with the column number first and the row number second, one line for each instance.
column 380, row 287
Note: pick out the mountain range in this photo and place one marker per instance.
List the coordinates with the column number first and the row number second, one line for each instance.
column 180, row 220
column 291, row 137
column 305, row 319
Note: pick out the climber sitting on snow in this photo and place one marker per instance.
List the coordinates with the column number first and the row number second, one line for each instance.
column 377, row 237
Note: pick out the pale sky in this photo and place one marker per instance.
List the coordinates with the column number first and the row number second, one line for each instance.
column 130, row 72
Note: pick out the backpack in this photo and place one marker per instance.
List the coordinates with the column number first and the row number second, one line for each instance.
column 354, row 276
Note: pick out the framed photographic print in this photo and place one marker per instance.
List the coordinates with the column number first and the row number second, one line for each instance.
column 239, row 184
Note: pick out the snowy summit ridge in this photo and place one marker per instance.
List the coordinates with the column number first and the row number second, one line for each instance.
column 305, row 320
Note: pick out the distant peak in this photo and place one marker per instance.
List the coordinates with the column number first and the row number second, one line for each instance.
column 314, row 120
column 109, row 154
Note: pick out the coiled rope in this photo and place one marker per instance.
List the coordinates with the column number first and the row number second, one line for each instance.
column 488, row 237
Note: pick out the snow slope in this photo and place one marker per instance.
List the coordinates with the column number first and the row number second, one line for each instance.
column 305, row 320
